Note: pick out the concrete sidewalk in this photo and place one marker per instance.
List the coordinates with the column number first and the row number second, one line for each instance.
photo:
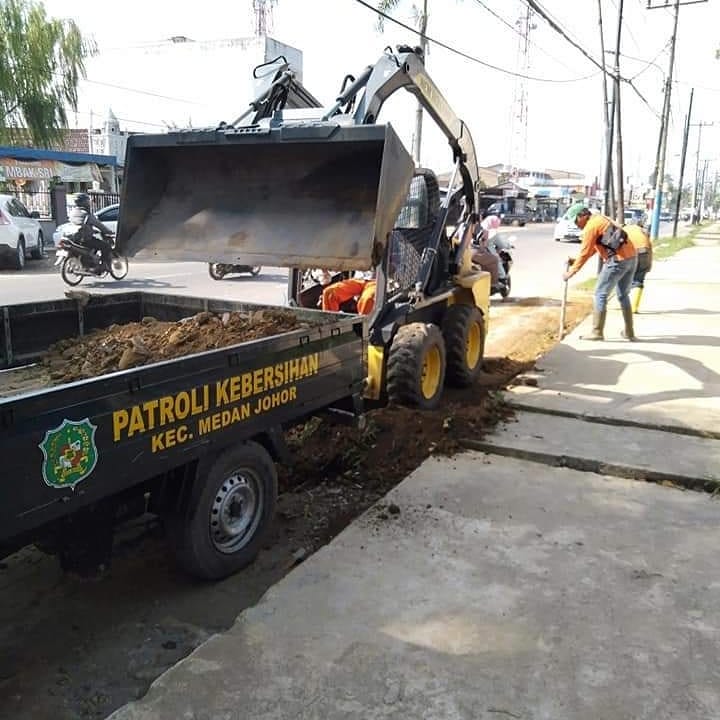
column 514, row 588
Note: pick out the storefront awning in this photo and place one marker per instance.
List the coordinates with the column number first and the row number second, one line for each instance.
column 12, row 169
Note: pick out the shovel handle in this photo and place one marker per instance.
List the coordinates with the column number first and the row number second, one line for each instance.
column 563, row 304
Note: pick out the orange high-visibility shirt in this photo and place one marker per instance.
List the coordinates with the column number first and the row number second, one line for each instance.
column 637, row 236
column 593, row 231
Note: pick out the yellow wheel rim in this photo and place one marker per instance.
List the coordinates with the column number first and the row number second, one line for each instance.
column 432, row 366
column 473, row 346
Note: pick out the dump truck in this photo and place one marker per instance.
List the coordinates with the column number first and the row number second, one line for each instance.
column 195, row 438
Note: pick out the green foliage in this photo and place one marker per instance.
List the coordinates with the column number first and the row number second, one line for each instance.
column 42, row 63
column 387, row 6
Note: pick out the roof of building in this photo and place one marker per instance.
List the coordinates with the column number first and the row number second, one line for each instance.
column 25, row 153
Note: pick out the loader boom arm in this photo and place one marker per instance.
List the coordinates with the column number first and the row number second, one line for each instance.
column 407, row 70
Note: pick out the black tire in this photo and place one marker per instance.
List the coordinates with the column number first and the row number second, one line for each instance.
column 39, row 252
column 255, row 271
column 464, row 332
column 66, row 271
column 19, row 260
column 241, row 478
column 118, row 266
column 416, row 366
column 214, row 271
column 505, row 287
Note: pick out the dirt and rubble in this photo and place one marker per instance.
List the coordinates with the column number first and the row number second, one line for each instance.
column 120, row 347
column 78, row 648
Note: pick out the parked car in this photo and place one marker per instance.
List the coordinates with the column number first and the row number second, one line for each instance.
column 567, row 230
column 509, row 213
column 20, row 232
column 634, row 216
column 107, row 215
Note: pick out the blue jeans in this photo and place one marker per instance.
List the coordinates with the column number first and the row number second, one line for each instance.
column 615, row 275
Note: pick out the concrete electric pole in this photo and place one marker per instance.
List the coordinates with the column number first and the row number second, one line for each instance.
column 686, row 134
column 665, row 119
column 696, row 194
column 620, row 204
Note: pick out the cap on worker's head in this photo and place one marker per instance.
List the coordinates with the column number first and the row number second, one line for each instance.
column 577, row 209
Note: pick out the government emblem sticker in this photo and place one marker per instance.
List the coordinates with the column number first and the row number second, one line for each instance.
column 69, row 453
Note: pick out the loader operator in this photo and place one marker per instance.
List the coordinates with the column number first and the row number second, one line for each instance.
column 362, row 287
column 81, row 215
column 601, row 235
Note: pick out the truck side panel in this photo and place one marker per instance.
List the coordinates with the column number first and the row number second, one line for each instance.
column 69, row 446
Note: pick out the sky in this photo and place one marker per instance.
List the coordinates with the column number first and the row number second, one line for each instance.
column 337, row 37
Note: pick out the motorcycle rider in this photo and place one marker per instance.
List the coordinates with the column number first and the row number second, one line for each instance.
column 81, row 214
column 486, row 255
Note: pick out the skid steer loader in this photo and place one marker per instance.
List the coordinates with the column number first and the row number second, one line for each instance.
column 292, row 184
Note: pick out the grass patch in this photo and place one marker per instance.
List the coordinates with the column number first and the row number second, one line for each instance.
column 666, row 247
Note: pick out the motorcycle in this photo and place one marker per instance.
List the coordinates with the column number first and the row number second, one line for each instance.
column 77, row 261
column 218, row 271
column 500, row 245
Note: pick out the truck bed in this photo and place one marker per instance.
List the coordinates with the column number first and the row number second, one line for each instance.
column 67, row 446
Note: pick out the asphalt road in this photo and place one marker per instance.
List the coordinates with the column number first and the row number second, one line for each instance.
column 538, row 264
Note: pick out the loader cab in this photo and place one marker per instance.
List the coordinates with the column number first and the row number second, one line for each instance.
column 407, row 249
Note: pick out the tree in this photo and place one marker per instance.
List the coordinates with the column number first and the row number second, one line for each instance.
column 42, row 63
column 421, row 19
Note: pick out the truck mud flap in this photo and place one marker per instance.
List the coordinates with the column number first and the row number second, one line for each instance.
column 311, row 195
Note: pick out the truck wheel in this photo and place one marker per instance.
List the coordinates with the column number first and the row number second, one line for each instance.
column 416, row 366
column 464, row 331
column 230, row 506
column 255, row 270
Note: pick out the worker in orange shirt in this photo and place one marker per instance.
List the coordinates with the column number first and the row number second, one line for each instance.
column 601, row 235
column 639, row 237
column 362, row 287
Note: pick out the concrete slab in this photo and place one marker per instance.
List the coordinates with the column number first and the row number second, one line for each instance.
column 613, row 449
column 671, row 378
column 501, row 589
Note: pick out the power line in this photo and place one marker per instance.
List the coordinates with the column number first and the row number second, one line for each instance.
column 558, row 29
column 142, row 92
column 465, row 55
column 515, row 30
column 128, row 120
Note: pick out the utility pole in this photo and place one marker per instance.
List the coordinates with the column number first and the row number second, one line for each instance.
column 620, row 207
column 686, row 134
column 417, row 139
column 699, row 126
column 701, row 204
column 665, row 121
column 607, row 208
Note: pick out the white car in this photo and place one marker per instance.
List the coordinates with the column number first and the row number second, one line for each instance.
column 566, row 229
column 107, row 216
column 20, row 232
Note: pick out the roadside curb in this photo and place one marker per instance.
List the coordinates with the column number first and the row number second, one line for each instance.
column 600, row 467
column 614, row 421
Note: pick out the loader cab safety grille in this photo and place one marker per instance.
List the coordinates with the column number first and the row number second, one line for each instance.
column 413, row 231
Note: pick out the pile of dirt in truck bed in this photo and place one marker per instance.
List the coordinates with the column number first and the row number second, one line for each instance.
column 120, row 347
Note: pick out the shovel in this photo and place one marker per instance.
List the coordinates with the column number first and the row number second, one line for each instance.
column 563, row 302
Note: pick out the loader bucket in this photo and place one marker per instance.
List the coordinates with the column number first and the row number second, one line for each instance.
column 311, row 195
